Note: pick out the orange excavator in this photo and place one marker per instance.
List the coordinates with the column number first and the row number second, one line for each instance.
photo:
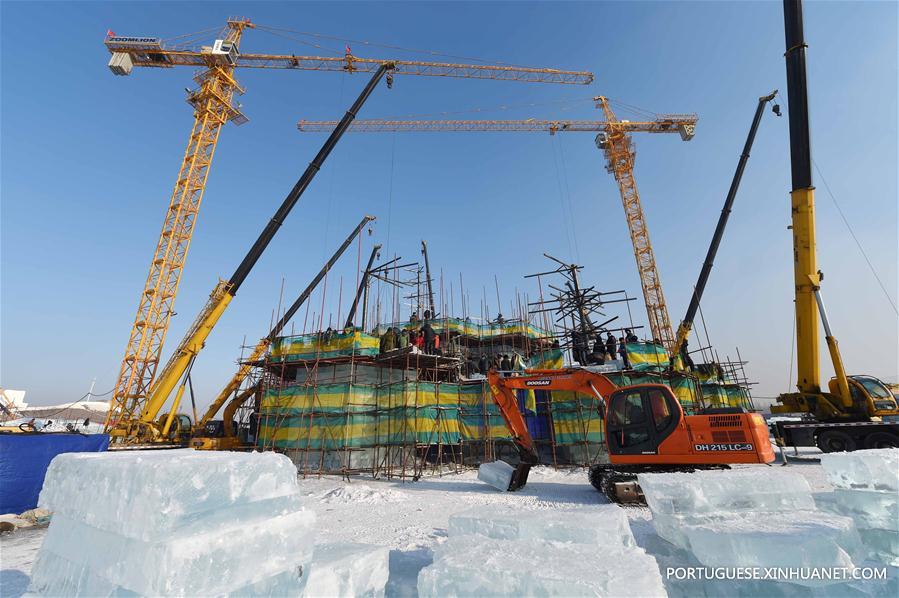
column 646, row 430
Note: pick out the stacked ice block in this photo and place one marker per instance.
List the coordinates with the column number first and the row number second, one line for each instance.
column 348, row 571
column 866, row 488
column 496, row 550
column 753, row 517
column 174, row 523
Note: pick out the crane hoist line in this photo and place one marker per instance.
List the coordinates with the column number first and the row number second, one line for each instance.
column 214, row 105
column 613, row 138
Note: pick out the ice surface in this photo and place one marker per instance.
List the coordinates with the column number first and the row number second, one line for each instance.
column 477, row 566
column 210, row 562
column 882, row 545
column 876, row 515
column 751, row 489
column 74, row 580
column 349, row 570
column 233, row 523
column 168, row 489
column 498, row 474
column 789, row 539
column 873, row 469
column 596, row 524
column 869, row 509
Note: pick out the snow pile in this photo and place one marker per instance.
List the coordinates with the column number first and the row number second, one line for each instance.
column 498, row 474
column 867, row 490
column 348, row 570
column 361, row 494
column 174, row 523
column 754, row 517
column 500, row 551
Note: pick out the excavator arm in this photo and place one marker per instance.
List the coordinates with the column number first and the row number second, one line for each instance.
column 503, row 391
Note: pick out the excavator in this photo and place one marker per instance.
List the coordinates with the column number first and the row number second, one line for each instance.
column 646, row 430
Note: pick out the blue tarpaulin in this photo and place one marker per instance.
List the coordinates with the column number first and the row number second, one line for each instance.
column 24, row 459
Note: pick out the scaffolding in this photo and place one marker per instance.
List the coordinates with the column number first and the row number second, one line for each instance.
column 371, row 400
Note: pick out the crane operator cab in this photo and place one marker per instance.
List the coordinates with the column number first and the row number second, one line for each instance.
column 870, row 396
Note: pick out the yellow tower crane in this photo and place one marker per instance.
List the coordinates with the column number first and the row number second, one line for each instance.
column 213, row 103
column 614, row 140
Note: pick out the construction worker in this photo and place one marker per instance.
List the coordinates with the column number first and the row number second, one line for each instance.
column 326, row 338
column 403, row 339
column 499, row 319
column 504, row 364
column 388, row 341
column 413, row 319
column 629, row 336
column 622, row 351
column 427, row 315
column 599, row 351
column 685, row 358
column 428, row 335
column 611, row 346
column 483, row 365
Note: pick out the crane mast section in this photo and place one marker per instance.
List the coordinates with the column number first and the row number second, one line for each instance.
column 212, row 104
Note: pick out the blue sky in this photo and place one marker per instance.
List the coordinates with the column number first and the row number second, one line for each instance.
column 89, row 160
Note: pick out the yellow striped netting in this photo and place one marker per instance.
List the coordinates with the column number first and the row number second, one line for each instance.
column 333, row 416
column 313, row 346
column 647, row 356
column 576, row 417
column 469, row 328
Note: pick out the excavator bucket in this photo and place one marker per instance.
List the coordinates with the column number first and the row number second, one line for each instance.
column 520, row 476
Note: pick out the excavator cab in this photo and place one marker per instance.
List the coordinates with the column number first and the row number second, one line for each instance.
column 640, row 418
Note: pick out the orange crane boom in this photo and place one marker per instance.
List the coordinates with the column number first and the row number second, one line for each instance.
column 615, row 141
column 214, row 106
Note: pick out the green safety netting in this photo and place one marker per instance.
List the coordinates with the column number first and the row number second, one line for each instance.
column 647, row 356
column 323, row 346
column 468, row 328
column 335, row 416
column 576, row 418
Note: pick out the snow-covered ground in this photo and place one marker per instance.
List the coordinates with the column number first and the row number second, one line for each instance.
column 410, row 518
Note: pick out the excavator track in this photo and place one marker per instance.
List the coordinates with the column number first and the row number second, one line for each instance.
column 619, row 482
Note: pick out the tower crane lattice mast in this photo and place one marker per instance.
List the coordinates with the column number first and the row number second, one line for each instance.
column 213, row 107
column 614, row 139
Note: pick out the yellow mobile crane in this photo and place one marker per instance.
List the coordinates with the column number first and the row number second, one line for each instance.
column 613, row 138
column 848, row 415
column 214, row 105
column 209, row 433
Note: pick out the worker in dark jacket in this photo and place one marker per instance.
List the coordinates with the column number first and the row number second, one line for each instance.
column 685, row 358
column 611, row 346
column 483, row 365
column 599, row 352
column 505, row 364
column 622, row 351
column 629, row 336
column 429, row 335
